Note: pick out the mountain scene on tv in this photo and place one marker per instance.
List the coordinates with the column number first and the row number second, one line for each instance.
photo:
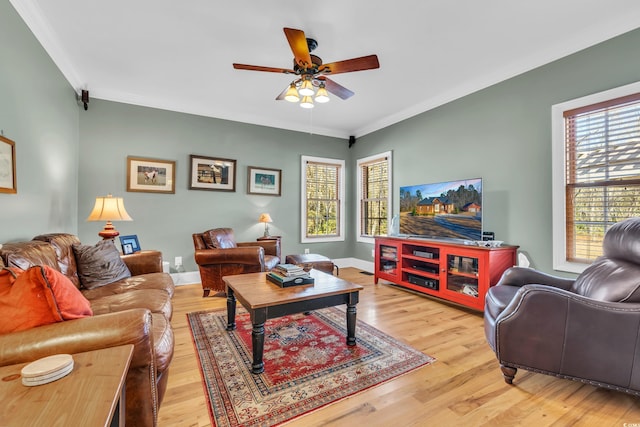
column 450, row 209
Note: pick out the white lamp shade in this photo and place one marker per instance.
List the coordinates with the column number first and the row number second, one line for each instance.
column 109, row 208
column 265, row 217
column 307, row 102
column 306, row 89
column 292, row 94
column 322, row 96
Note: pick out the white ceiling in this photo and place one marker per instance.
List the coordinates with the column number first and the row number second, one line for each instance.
column 177, row 55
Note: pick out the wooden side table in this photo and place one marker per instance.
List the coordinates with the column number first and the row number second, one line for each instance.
column 269, row 238
column 91, row 395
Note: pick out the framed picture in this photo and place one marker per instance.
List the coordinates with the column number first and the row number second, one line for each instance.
column 7, row 166
column 212, row 173
column 151, row 175
column 264, row 181
column 129, row 244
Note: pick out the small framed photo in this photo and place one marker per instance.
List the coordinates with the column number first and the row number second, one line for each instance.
column 212, row 173
column 151, row 175
column 7, row 166
column 129, row 244
column 264, row 181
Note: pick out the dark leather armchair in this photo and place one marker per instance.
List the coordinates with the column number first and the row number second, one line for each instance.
column 218, row 254
column 587, row 329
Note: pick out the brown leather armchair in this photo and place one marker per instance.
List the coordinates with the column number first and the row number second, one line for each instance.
column 218, row 254
column 585, row 329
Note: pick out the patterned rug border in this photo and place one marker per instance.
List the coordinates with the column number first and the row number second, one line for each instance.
column 360, row 327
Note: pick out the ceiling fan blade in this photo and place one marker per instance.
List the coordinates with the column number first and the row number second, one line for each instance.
column 348, row 65
column 298, row 42
column 336, row 89
column 260, row 68
column 282, row 94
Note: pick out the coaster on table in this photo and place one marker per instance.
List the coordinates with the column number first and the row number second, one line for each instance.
column 47, row 369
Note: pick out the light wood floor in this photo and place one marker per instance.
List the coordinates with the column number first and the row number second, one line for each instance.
column 464, row 387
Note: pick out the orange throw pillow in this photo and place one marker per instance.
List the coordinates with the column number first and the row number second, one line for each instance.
column 38, row 296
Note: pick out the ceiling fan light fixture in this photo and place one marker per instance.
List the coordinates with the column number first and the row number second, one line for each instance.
column 307, row 102
column 306, row 89
column 292, row 94
column 322, row 96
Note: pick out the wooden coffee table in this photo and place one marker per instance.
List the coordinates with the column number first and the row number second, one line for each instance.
column 265, row 300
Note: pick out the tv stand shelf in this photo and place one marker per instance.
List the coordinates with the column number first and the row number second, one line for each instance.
column 455, row 272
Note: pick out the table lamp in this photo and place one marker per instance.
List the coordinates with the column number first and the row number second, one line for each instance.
column 109, row 209
column 266, row 218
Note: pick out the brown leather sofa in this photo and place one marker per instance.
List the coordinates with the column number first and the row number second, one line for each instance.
column 135, row 310
column 584, row 329
column 218, row 254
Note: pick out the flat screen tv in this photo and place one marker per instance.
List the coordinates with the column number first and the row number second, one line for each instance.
column 442, row 210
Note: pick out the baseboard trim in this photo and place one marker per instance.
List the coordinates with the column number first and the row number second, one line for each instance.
column 186, row 278
column 355, row 263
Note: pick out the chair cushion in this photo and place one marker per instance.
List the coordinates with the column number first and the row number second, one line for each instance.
column 219, row 238
column 159, row 281
column 99, row 265
column 63, row 243
column 609, row 279
column 38, row 296
column 27, row 254
column 154, row 300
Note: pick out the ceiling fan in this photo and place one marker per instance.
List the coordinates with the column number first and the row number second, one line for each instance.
column 312, row 82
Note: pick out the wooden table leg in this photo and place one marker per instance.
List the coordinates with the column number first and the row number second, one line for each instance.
column 351, row 324
column 231, row 310
column 257, row 341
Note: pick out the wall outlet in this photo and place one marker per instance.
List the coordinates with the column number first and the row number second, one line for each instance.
column 373, row 253
column 306, row 250
column 178, row 261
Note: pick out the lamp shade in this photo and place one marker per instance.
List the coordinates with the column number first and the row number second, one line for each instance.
column 306, row 88
column 292, row 94
column 307, row 102
column 265, row 217
column 322, row 96
column 109, row 209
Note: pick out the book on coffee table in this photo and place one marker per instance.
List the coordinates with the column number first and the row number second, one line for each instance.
column 287, row 281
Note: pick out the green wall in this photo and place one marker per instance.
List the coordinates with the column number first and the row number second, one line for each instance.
column 109, row 132
column 503, row 134
column 39, row 112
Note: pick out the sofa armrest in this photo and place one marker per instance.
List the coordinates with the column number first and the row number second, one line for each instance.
column 558, row 332
column 271, row 247
column 143, row 262
column 86, row 334
column 520, row 276
column 251, row 255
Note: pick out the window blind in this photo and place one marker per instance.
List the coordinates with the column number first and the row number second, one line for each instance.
column 323, row 203
column 374, row 203
column 602, row 172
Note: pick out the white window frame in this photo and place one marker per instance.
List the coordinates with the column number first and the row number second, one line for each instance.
column 303, row 205
column 360, row 237
column 559, row 231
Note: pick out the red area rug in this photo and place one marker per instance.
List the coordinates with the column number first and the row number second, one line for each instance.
column 307, row 364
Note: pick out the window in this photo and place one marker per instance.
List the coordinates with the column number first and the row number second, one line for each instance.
column 322, row 199
column 596, row 172
column 374, row 196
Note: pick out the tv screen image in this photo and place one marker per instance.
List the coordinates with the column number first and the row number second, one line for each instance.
column 442, row 210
